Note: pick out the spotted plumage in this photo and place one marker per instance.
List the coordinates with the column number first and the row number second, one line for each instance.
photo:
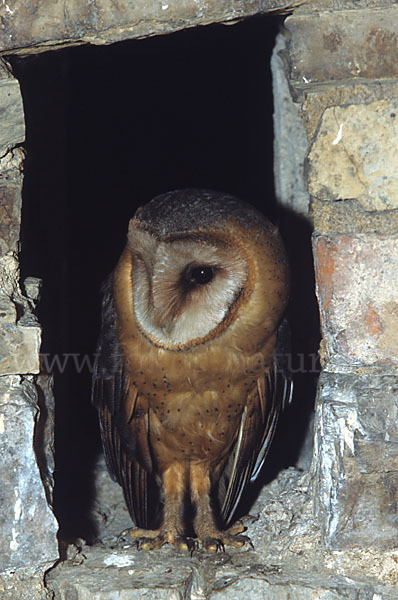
column 186, row 380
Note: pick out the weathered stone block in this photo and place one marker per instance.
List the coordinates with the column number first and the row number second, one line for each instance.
column 122, row 574
column 12, row 121
column 235, row 586
column 326, row 5
column 20, row 333
column 24, row 584
column 289, row 157
column 340, row 45
column 354, row 155
column 27, row 526
column 287, row 560
column 349, row 216
column 358, row 299
column 10, row 217
column 356, row 460
column 41, row 24
column 317, row 98
column 19, row 349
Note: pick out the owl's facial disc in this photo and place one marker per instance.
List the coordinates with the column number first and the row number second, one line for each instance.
column 184, row 288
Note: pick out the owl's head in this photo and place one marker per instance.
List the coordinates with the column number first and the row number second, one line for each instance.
column 193, row 264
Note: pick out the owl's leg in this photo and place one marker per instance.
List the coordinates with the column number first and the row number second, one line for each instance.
column 211, row 538
column 171, row 531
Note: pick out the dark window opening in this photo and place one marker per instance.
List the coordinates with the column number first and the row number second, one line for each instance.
column 108, row 128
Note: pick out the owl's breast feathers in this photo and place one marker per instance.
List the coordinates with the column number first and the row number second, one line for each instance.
column 215, row 401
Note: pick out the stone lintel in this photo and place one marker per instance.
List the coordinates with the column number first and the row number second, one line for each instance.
column 31, row 27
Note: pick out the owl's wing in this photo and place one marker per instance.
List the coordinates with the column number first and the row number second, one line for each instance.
column 123, row 417
column 257, row 428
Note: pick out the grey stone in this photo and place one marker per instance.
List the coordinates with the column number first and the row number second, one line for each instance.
column 19, row 349
column 26, row 583
column 288, row 560
column 27, row 526
column 44, row 433
column 9, row 276
column 339, row 45
column 8, row 311
column 32, row 287
column 12, row 121
column 20, row 333
column 33, row 26
column 109, row 511
column 348, row 216
column 269, row 588
column 10, row 216
column 356, row 460
column 106, row 574
column 339, row 5
column 290, row 141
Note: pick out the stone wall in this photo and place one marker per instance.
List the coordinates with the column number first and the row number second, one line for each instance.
column 28, row 544
column 30, row 27
column 343, row 73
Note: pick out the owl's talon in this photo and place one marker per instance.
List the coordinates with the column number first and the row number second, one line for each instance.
column 185, row 544
column 213, row 545
column 143, row 539
column 153, row 539
column 217, row 542
column 146, row 543
column 124, row 537
column 240, row 540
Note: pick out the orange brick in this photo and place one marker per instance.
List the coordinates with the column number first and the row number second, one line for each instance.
column 356, row 278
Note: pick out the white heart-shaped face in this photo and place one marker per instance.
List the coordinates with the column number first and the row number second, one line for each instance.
column 184, row 288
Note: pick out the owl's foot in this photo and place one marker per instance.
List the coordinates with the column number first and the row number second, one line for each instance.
column 153, row 539
column 214, row 541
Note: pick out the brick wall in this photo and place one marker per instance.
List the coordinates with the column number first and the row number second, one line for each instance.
column 343, row 68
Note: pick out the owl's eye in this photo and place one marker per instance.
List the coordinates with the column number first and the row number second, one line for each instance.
column 201, row 275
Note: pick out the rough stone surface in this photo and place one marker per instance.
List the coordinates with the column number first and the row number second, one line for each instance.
column 24, row 584
column 12, row 133
column 339, row 45
column 290, row 142
column 12, row 123
column 20, row 334
column 28, row 544
column 19, row 349
column 356, row 460
column 27, row 526
column 358, row 299
column 286, row 562
column 354, row 155
column 10, row 216
column 340, row 5
column 109, row 514
column 348, row 216
column 44, row 433
column 316, row 98
column 32, row 26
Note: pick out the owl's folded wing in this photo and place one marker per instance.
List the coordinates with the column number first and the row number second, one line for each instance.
column 257, row 428
column 123, row 418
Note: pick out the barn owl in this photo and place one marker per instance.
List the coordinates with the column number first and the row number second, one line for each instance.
column 186, row 379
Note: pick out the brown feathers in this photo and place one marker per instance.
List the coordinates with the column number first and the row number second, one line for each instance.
column 196, row 308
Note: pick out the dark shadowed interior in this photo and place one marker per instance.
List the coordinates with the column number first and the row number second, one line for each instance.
column 108, row 128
